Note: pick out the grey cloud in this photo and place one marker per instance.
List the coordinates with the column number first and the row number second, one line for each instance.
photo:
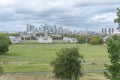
column 74, row 13
column 97, row 3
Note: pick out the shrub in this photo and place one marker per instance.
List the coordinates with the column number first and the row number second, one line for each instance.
column 81, row 38
column 4, row 44
column 95, row 40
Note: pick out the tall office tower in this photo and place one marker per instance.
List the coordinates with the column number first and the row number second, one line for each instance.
column 49, row 28
column 45, row 28
column 110, row 31
column 39, row 29
column 27, row 27
column 102, row 30
column 32, row 28
column 36, row 29
column 54, row 29
column 66, row 31
column 42, row 29
column 105, row 31
column 60, row 30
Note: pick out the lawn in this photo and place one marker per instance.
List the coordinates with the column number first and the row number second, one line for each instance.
column 37, row 57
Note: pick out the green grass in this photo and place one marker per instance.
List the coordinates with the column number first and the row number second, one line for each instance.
column 37, row 57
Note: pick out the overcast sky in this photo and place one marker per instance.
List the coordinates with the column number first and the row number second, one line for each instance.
column 75, row 14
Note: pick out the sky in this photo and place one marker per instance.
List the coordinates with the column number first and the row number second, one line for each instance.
column 74, row 14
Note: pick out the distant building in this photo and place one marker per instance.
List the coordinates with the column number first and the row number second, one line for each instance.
column 108, row 31
column 116, row 32
column 26, row 35
column 54, row 29
column 60, row 30
column 14, row 39
column 30, row 28
column 105, row 38
column 69, row 39
column 45, row 39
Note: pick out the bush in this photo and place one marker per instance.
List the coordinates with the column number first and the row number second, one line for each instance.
column 1, row 70
column 95, row 40
column 67, row 65
column 4, row 44
column 81, row 38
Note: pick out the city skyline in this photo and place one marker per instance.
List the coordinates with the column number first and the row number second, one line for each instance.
column 74, row 14
column 52, row 29
column 56, row 29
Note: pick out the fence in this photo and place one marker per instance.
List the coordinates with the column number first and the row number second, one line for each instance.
column 47, row 75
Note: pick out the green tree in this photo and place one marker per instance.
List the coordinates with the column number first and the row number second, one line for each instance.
column 95, row 39
column 114, row 55
column 67, row 64
column 81, row 38
column 4, row 44
column 117, row 20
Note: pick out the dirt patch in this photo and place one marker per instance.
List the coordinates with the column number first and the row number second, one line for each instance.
column 93, row 77
column 47, row 77
column 26, row 77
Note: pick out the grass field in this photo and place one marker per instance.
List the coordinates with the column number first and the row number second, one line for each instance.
column 37, row 57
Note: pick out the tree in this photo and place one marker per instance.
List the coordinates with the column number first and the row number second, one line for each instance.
column 95, row 39
column 114, row 55
column 81, row 38
column 4, row 44
column 117, row 20
column 67, row 64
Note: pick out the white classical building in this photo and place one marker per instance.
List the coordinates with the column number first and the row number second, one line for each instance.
column 70, row 39
column 14, row 39
column 45, row 39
